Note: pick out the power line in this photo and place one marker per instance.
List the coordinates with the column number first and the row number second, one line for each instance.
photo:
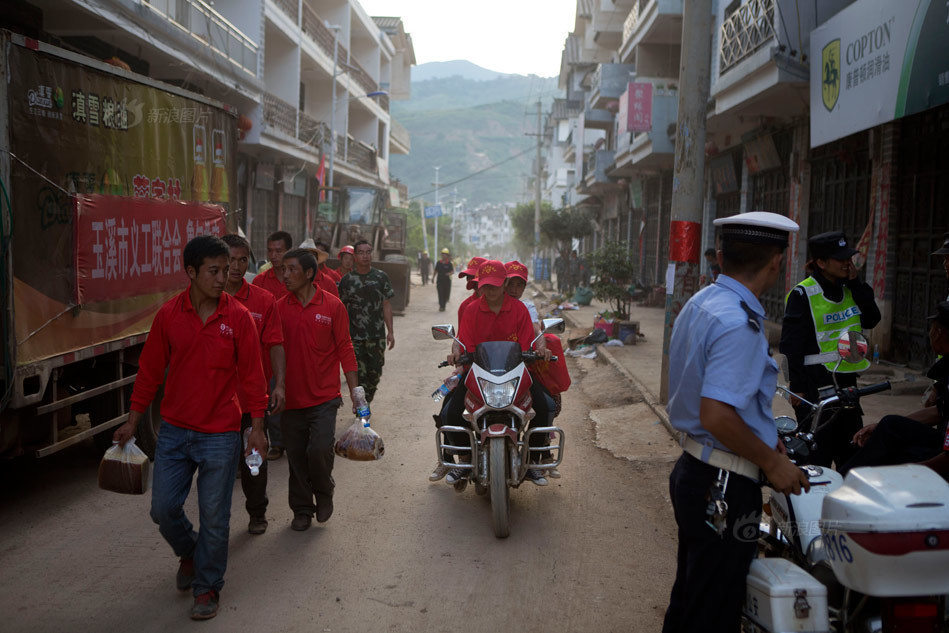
column 473, row 174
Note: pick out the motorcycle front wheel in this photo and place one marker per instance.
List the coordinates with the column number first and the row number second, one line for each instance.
column 500, row 493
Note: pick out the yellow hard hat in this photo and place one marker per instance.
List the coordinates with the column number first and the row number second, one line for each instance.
column 445, row 251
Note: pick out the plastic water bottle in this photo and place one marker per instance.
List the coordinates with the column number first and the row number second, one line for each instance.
column 254, row 461
column 445, row 388
column 876, row 354
column 362, row 406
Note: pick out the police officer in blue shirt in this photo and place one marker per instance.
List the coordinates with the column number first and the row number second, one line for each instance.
column 721, row 383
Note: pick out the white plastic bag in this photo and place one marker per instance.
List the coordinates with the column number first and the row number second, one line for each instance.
column 360, row 443
column 125, row 469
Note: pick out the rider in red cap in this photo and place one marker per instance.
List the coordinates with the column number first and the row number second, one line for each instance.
column 471, row 272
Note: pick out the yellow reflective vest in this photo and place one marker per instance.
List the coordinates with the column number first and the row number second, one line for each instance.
column 831, row 320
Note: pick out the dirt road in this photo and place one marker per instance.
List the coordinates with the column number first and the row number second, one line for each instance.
column 593, row 551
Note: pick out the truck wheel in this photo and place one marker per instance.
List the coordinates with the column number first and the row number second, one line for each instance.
column 500, row 493
column 146, row 435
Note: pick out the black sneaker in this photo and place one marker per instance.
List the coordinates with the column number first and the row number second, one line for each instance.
column 536, row 477
column 205, row 606
column 301, row 522
column 455, row 475
column 257, row 525
column 185, row 575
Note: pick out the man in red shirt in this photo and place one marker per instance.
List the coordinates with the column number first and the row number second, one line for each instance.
column 316, row 338
column 208, row 343
column 496, row 316
column 263, row 308
column 325, row 270
column 471, row 272
column 272, row 279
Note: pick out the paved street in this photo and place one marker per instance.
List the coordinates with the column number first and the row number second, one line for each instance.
column 591, row 552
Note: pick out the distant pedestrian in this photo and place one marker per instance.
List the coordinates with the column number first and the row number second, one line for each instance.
column 366, row 292
column 316, row 337
column 263, row 308
column 424, row 267
column 443, row 273
column 207, row 342
column 573, row 272
column 560, row 267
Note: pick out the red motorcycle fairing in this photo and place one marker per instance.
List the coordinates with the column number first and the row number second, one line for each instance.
column 499, row 430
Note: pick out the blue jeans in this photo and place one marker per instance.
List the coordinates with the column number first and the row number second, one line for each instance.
column 179, row 453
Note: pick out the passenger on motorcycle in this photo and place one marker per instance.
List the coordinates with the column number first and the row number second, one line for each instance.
column 471, row 273
column 920, row 435
column 496, row 316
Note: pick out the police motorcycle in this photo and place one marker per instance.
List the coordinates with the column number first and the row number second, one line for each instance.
column 865, row 553
column 498, row 410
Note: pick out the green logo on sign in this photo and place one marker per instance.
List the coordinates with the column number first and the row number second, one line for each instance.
column 830, row 76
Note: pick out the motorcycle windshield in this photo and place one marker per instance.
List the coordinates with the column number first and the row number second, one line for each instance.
column 498, row 357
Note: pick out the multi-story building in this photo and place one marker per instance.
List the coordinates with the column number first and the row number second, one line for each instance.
column 279, row 63
column 489, row 227
column 803, row 119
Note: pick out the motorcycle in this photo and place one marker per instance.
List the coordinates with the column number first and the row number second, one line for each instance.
column 498, row 411
column 865, row 553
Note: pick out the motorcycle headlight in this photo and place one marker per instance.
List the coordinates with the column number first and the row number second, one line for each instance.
column 497, row 395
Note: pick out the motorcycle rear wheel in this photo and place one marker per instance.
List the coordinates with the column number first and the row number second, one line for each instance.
column 500, row 493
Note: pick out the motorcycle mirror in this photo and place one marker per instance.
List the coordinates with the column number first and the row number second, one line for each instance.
column 443, row 332
column 852, row 347
column 786, row 424
column 554, row 325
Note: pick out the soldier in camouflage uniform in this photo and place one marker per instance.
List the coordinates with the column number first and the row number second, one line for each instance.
column 365, row 291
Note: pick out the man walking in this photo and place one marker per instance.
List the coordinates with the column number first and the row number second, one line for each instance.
column 263, row 308
column 424, row 266
column 366, row 291
column 721, row 381
column 316, row 335
column 208, row 344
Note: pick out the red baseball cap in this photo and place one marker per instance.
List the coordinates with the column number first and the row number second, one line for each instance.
column 346, row 249
column 472, row 269
column 516, row 269
column 491, row 273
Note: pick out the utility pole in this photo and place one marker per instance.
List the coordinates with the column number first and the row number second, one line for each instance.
column 424, row 227
column 454, row 204
column 685, row 234
column 537, row 192
column 335, row 28
column 436, row 217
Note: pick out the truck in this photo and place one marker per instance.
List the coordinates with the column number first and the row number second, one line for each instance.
column 106, row 174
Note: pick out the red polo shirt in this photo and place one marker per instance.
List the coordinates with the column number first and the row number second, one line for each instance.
column 326, row 282
column 206, row 362
column 332, row 274
column 263, row 308
column 464, row 304
column 268, row 281
column 480, row 324
column 316, row 341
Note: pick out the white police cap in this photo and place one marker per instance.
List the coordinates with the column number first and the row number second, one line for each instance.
column 757, row 227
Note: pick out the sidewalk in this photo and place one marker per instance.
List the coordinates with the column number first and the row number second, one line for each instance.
column 641, row 365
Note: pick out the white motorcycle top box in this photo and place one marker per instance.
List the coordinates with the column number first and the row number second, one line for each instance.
column 780, row 596
column 886, row 531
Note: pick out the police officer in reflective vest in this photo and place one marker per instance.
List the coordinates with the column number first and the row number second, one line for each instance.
column 818, row 311
column 722, row 380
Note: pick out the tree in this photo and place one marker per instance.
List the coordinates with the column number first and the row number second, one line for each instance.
column 613, row 272
column 562, row 226
column 522, row 219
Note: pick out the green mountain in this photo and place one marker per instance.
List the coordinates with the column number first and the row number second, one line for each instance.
column 464, row 125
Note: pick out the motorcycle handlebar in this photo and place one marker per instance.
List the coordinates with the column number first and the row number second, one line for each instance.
column 872, row 389
column 464, row 359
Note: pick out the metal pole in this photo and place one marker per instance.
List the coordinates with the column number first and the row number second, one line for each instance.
column 424, row 228
column 335, row 30
column 454, row 194
column 537, row 190
column 685, row 230
column 437, row 254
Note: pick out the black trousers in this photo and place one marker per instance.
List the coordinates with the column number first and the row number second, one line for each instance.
column 443, row 286
column 255, row 488
column 454, row 405
column 310, row 435
column 897, row 440
column 709, row 588
column 834, row 440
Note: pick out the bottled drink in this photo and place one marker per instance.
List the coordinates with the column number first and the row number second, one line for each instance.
column 362, row 406
column 876, row 354
column 254, row 461
column 445, row 388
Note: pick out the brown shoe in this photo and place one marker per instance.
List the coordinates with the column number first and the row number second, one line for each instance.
column 301, row 522
column 257, row 525
column 185, row 575
column 205, row 606
column 275, row 452
column 324, row 511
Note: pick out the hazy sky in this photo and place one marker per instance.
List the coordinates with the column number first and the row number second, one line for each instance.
column 509, row 36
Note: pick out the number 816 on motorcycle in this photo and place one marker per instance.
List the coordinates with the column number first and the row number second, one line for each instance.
column 837, row 548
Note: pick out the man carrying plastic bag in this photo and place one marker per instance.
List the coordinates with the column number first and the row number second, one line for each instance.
column 208, row 343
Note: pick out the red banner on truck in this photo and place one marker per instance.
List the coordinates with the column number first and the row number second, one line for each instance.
column 127, row 247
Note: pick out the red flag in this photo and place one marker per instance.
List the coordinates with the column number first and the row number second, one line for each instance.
column 320, row 175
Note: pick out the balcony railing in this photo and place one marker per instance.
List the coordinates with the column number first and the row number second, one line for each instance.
column 312, row 132
column 290, row 7
column 745, row 31
column 280, row 115
column 362, row 157
column 362, row 78
column 315, row 27
column 632, row 20
column 210, row 29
